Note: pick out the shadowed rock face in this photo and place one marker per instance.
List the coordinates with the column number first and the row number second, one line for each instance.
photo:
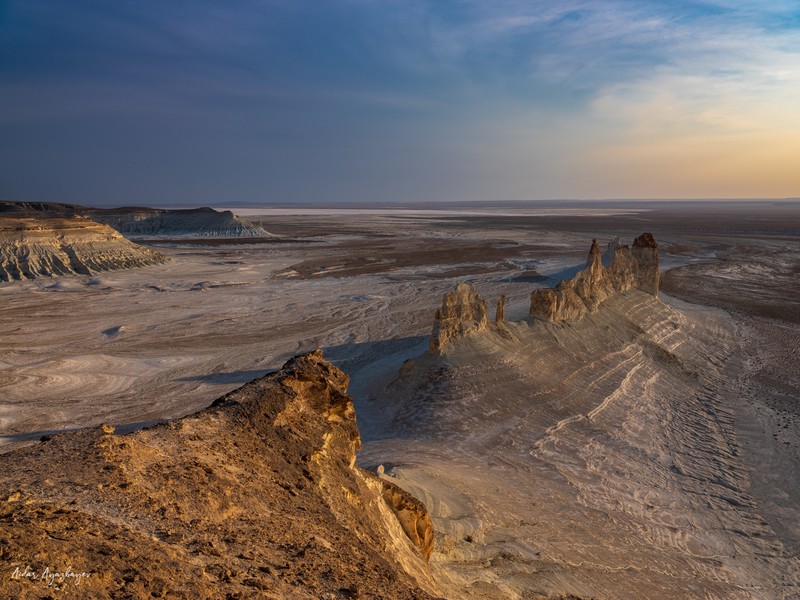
column 462, row 311
column 31, row 248
column 630, row 268
column 413, row 516
column 199, row 222
column 256, row 496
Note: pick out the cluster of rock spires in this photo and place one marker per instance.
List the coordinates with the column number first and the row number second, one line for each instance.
column 31, row 248
column 630, row 268
column 258, row 495
column 464, row 311
column 199, row 222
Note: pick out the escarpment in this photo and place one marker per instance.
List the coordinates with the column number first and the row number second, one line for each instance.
column 144, row 222
column 31, row 248
column 630, row 268
column 255, row 496
column 196, row 222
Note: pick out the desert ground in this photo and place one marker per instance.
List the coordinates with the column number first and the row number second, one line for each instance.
column 651, row 450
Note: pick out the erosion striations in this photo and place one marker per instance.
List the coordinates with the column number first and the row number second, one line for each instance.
column 633, row 267
column 143, row 222
column 31, row 248
column 256, row 495
column 198, row 222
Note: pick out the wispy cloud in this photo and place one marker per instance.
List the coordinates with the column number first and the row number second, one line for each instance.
column 454, row 98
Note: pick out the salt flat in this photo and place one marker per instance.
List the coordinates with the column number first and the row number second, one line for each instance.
column 646, row 452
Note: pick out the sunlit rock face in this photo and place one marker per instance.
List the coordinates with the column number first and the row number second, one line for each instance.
column 630, row 268
column 462, row 311
column 31, row 248
column 257, row 493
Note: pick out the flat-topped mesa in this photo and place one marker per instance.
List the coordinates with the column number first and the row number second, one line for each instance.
column 144, row 222
column 463, row 311
column 629, row 268
column 140, row 222
column 47, row 247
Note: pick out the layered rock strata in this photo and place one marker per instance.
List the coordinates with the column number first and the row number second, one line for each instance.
column 630, row 268
column 199, row 222
column 144, row 222
column 256, row 496
column 462, row 311
column 31, row 248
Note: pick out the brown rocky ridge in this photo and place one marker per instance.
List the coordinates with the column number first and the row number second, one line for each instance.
column 630, row 267
column 36, row 247
column 256, row 496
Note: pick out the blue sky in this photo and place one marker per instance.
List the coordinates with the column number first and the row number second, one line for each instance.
column 198, row 102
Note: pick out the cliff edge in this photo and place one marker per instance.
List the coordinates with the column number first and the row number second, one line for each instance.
column 257, row 495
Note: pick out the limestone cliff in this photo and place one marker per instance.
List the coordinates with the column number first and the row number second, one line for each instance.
column 629, row 268
column 462, row 311
column 31, row 248
column 199, row 222
column 256, row 496
column 144, row 222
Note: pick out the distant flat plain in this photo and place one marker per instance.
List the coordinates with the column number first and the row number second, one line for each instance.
column 134, row 347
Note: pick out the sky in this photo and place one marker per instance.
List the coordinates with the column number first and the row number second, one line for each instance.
column 202, row 102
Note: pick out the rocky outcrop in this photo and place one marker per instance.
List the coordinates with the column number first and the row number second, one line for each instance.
column 500, row 311
column 256, row 496
column 463, row 311
column 31, row 248
column 645, row 253
column 199, row 222
column 629, row 268
column 143, row 222
column 413, row 517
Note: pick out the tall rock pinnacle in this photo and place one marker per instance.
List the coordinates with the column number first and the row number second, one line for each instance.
column 462, row 311
column 630, row 268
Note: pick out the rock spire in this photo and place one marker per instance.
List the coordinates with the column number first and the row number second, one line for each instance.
column 630, row 268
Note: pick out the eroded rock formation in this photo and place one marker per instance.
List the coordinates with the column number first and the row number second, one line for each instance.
column 144, row 222
column 500, row 311
column 629, row 268
column 256, row 496
column 31, row 248
column 199, row 222
column 413, row 516
column 462, row 311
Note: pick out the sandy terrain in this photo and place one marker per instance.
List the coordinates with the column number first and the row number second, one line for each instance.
column 649, row 452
